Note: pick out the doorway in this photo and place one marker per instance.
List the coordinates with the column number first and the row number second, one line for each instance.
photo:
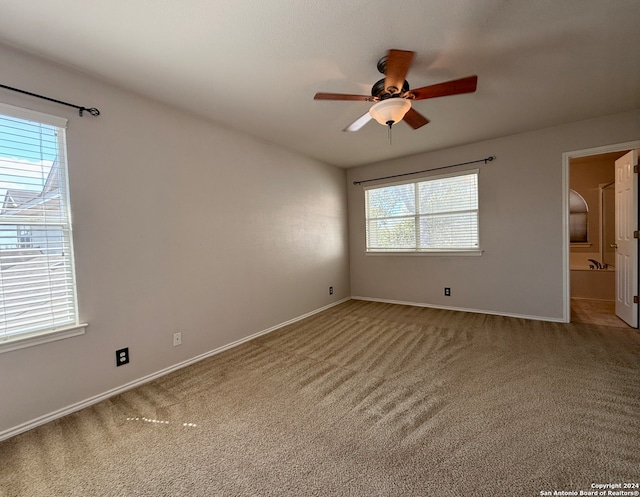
column 589, row 256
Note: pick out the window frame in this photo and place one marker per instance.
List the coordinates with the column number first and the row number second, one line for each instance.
column 578, row 220
column 417, row 216
column 73, row 326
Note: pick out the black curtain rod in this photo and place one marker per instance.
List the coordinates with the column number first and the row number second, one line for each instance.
column 488, row 159
column 91, row 110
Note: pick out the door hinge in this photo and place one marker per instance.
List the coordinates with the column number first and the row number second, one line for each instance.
column 636, row 234
column 635, row 299
column 636, row 168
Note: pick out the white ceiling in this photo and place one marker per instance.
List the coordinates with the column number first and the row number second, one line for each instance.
column 256, row 64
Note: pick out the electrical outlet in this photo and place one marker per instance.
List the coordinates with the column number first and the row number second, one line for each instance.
column 447, row 291
column 122, row 356
column 330, row 290
column 177, row 339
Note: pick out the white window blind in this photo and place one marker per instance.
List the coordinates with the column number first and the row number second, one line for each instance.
column 430, row 215
column 37, row 281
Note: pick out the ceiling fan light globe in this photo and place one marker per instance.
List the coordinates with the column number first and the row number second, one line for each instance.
column 391, row 109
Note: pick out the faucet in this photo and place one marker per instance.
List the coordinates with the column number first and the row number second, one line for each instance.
column 596, row 263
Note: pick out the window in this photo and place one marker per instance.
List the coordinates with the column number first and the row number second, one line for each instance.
column 437, row 214
column 578, row 218
column 37, row 280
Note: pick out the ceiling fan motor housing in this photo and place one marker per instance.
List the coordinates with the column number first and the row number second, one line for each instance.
column 378, row 90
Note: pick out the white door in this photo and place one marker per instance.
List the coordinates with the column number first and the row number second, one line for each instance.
column 626, row 244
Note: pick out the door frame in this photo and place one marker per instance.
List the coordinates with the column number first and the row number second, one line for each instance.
column 566, row 266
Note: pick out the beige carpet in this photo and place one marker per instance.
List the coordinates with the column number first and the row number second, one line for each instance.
column 365, row 399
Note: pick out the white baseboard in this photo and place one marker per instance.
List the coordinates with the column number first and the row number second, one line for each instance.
column 11, row 432
column 598, row 300
column 462, row 309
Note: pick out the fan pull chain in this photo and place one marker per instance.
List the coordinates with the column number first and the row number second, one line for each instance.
column 390, row 124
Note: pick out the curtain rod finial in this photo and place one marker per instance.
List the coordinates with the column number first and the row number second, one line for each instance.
column 93, row 111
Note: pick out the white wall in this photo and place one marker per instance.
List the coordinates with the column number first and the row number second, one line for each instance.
column 521, row 224
column 179, row 225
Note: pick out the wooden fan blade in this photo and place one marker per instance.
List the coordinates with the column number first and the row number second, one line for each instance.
column 358, row 123
column 455, row 87
column 342, row 96
column 414, row 119
column 397, row 66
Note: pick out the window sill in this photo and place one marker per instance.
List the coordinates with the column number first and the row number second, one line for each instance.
column 40, row 337
column 438, row 253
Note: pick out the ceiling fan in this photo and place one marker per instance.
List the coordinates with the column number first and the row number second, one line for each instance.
column 393, row 96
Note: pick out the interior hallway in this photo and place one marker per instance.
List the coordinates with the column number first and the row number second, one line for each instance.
column 600, row 312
